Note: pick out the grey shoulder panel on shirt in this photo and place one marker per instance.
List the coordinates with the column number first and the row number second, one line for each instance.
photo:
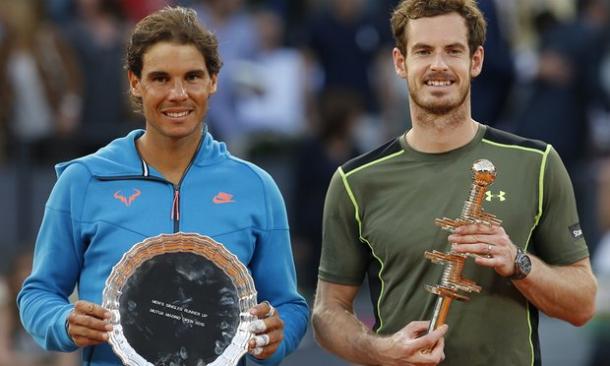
column 390, row 147
column 506, row 138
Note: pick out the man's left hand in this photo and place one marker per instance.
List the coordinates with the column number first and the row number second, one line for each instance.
column 268, row 331
column 490, row 243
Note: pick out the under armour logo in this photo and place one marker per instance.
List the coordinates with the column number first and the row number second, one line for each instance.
column 127, row 200
column 501, row 196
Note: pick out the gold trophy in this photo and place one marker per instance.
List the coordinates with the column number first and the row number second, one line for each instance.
column 452, row 284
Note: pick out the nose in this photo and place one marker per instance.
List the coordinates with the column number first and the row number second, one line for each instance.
column 438, row 62
column 178, row 91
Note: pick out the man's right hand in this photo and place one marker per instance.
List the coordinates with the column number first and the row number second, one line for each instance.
column 88, row 324
column 409, row 346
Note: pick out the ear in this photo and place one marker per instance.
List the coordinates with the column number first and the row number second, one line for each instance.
column 213, row 84
column 399, row 63
column 134, row 84
column 476, row 63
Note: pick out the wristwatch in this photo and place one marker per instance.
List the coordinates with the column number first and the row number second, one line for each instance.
column 523, row 265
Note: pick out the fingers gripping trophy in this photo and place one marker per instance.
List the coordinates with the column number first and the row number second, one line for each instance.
column 452, row 285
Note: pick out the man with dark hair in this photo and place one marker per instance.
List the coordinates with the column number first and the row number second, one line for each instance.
column 182, row 180
column 380, row 211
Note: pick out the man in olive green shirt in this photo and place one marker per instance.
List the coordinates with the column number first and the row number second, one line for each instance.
column 380, row 210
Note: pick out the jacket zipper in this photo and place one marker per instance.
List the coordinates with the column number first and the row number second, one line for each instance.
column 176, row 203
column 176, row 209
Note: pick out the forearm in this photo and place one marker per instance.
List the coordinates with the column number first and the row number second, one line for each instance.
column 43, row 300
column 339, row 331
column 273, row 272
column 44, row 315
column 564, row 292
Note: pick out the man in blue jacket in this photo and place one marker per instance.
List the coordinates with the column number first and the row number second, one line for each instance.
column 172, row 176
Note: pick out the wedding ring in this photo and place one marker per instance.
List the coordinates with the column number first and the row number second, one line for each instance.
column 489, row 250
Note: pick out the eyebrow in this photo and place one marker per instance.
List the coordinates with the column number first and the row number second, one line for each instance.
column 456, row 45
column 420, row 45
column 451, row 45
column 198, row 72
column 156, row 74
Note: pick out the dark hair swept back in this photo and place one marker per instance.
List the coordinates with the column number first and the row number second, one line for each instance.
column 172, row 24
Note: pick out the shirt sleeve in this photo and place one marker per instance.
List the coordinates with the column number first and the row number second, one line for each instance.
column 43, row 300
column 345, row 258
column 558, row 238
column 274, row 274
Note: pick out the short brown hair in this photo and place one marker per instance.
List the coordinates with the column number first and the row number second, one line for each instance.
column 415, row 9
column 171, row 24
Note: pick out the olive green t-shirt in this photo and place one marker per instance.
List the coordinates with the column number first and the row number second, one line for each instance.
column 379, row 220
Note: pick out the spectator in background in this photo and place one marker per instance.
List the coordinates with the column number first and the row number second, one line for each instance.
column 4, row 90
column 275, row 84
column 135, row 10
column 345, row 41
column 294, row 13
column 42, row 80
column 60, row 11
column 41, row 96
column 238, row 41
column 345, row 31
column 491, row 89
column 98, row 36
column 317, row 158
column 566, row 87
column 567, row 83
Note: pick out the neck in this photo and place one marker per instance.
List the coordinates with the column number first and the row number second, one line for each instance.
column 170, row 157
column 440, row 135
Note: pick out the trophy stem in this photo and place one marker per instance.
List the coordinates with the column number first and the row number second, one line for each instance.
column 441, row 309
column 451, row 285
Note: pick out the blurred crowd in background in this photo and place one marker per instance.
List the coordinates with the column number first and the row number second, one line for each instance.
column 306, row 85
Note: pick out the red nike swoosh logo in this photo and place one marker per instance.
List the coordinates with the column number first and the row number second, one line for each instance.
column 223, row 197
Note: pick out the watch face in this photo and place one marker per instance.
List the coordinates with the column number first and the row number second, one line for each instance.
column 525, row 263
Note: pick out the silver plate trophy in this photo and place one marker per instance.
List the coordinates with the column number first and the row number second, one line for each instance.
column 179, row 299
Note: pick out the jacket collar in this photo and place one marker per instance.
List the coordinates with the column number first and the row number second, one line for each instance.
column 121, row 158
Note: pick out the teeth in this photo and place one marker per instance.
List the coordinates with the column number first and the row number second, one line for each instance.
column 177, row 114
column 438, row 83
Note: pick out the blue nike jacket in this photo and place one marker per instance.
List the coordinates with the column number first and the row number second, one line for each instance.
column 104, row 203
